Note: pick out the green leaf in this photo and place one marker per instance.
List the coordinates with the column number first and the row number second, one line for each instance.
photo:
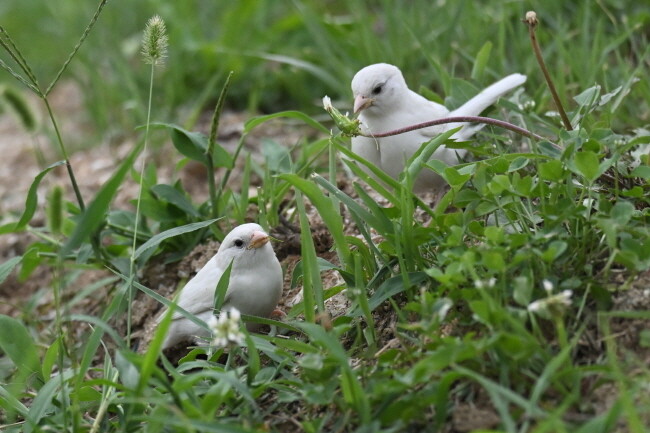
column 8, row 266
column 493, row 260
column 331, row 215
column 157, row 239
column 551, row 170
column 518, row 163
column 194, row 145
column 522, row 290
column 642, row 171
column 190, row 144
column 389, row 288
column 554, row 250
column 50, row 357
column 30, row 202
column 587, row 164
column 175, row 197
column 256, row 121
column 454, row 178
column 18, row 345
column 42, row 403
column 222, row 288
column 9, row 402
column 621, row 213
column 94, row 215
column 481, row 61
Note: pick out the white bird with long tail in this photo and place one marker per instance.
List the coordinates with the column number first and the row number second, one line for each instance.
column 385, row 103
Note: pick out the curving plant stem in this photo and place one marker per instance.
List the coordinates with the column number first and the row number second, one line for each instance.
column 462, row 119
column 531, row 22
column 64, row 153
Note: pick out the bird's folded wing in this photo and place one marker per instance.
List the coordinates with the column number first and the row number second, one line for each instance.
column 198, row 294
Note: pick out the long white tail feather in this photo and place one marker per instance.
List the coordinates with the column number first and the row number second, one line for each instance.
column 489, row 96
column 483, row 100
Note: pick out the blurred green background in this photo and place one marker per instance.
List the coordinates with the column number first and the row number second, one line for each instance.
column 288, row 54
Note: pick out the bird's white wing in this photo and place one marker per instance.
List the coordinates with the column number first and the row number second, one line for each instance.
column 198, row 294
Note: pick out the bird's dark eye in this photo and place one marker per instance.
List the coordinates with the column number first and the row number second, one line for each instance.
column 377, row 89
column 238, row 243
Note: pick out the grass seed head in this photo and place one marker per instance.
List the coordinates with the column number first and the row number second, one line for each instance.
column 154, row 41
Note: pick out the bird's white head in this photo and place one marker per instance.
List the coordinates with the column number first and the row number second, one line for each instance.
column 377, row 88
column 245, row 244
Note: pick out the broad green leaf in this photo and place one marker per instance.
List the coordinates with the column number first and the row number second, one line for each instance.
column 194, row 145
column 312, row 286
column 554, row 250
column 621, row 212
column 222, row 288
column 157, row 239
column 42, row 403
column 522, row 290
column 256, row 121
column 389, row 288
column 518, row 163
column 129, row 374
column 30, row 202
column 376, row 220
column 190, row 144
column 419, row 159
column 481, row 60
column 18, row 345
column 11, row 403
column 454, row 178
column 8, row 266
column 587, row 164
column 331, row 215
column 175, row 197
column 95, row 214
column 642, row 171
column 551, row 170
column 546, row 148
column 493, row 260
column 50, row 357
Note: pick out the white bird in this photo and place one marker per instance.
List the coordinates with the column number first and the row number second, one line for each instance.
column 385, row 103
column 254, row 288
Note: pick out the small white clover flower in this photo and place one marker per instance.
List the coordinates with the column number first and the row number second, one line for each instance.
column 529, row 105
column 553, row 305
column 225, row 329
column 154, row 41
column 548, row 286
column 480, row 284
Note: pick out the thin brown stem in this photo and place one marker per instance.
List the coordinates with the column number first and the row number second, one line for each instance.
column 531, row 22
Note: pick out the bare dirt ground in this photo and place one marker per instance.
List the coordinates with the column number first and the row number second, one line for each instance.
column 24, row 155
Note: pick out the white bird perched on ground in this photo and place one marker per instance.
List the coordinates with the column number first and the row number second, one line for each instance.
column 385, row 103
column 254, row 288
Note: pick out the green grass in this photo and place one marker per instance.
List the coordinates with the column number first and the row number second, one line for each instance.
column 442, row 307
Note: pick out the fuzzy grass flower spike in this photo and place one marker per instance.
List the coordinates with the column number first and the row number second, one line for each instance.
column 154, row 41
column 225, row 329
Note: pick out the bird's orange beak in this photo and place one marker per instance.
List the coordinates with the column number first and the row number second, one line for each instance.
column 361, row 103
column 258, row 239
